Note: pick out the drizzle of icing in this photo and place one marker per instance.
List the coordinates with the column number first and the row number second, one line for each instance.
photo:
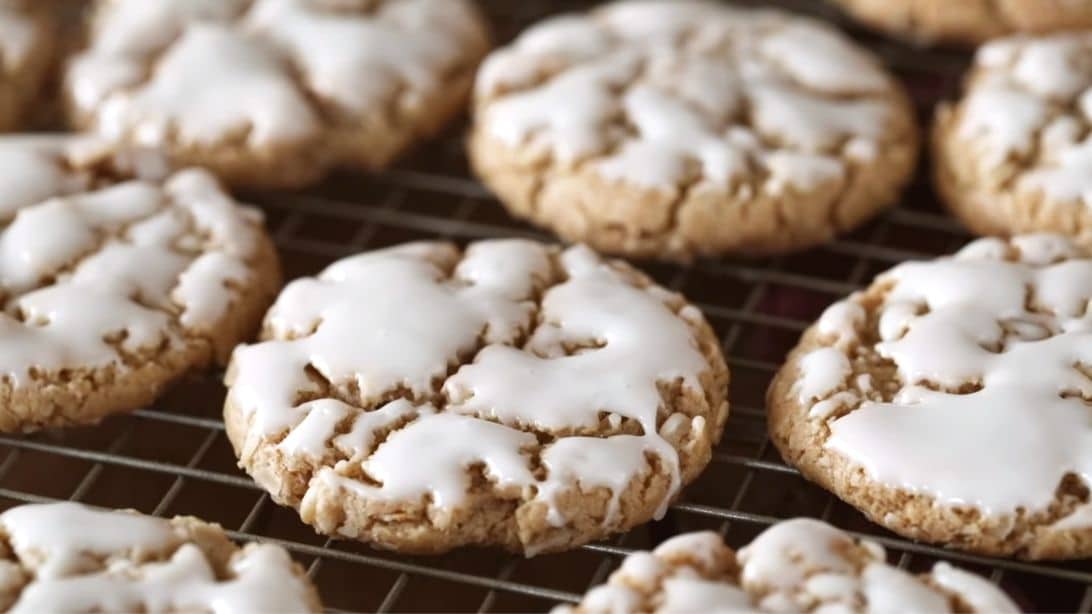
column 1013, row 321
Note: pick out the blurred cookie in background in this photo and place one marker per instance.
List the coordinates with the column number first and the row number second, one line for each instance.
column 678, row 129
column 273, row 93
column 796, row 565
column 1014, row 155
column 69, row 557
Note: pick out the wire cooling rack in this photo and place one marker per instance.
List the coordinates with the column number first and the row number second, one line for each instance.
column 174, row 458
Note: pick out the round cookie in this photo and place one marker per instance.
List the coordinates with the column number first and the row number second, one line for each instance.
column 949, row 400
column 798, row 565
column 26, row 52
column 271, row 93
column 112, row 289
column 968, row 22
column 1014, row 154
column 67, row 557
column 674, row 129
column 423, row 397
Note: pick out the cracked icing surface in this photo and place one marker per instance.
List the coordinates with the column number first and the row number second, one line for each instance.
column 73, row 558
column 669, row 129
column 111, row 288
column 973, row 426
column 1014, row 154
column 798, row 565
column 25, row 54
column 256, row 88
column 969, row 21
column 423, row 398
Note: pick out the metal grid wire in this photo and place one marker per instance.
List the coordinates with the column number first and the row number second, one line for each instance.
column 175, row 459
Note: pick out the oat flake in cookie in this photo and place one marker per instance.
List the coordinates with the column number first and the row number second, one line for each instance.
column 1014, row 154
column 424, row 397
column 273, row 92
column 111, row 289
column 67, row 557
column 950, row 400
column 26, row 51
column 799, row 565
column 673, row 129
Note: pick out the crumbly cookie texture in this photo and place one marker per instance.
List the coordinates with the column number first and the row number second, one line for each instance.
column 112, row 289
column 798, row 565
column 26, row 51
column 1014, row 154
column 949, row 400
column 421, row 397
column 273, row 92
column 67, row 557
column 674, row 129
column 969, row 22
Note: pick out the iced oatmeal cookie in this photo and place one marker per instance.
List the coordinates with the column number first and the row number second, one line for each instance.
column 799, row 565
column 67, row 557
column 424, row 397
column 273, row 92
column 675, row 129
column 1014, row 154
column 949, row 401
column 113, row 288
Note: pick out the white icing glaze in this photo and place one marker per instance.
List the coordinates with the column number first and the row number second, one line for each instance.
column 209, row 72
column 360, row 62
column 86, row 560
column 798, row 565
column 63, row 539
column 966, row 320
column 33, row 172
column 797, row 561
column 696, row 595
column 1030, row 91
column 399, row 319
column 841, row 320
column 973, row 590
column 821, row 372
column 570, row 88
column 83, row 271
column 251, row 95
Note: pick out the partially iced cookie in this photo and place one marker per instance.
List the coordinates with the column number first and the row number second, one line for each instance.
column 274, row 92
column 1014, row 154
column 950, row 400
column 26, row 52
column 674, row 129
column 67, row 557
column 425, row 397
column 799, row 565
column 113, row 288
